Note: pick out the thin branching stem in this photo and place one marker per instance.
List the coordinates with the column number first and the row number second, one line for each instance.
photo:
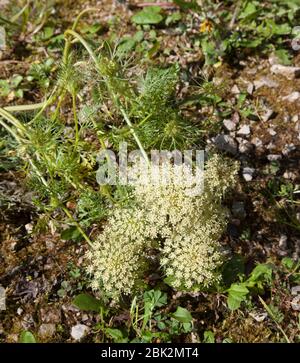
column 113, row 94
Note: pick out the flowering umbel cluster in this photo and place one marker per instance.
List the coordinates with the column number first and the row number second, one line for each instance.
column 186, row 226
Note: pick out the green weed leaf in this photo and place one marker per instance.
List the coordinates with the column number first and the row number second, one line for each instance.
column 87, row 302
column 27, row 337
column 182, row 315
column 236, row 294
column 149, row 15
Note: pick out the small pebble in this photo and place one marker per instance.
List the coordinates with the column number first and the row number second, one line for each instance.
column 286, row 71
column 248, row 173
column 79, row 331
column 272, row 132
column 283, row 242
column 235, row 90
column 229, row 125
column 293, row 97
column 244, row 130
column 274, row 157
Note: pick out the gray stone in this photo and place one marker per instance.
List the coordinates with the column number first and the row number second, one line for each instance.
column 79, row 331
column 236, row 117
column 274, row 157
column 293, row 97
column 283, row 242
column 295, row 290
column 289, row 175
column 250, row 88
column 225, row 143
column 235, row 90
column 229, row 125
column 272, row 132
column 295, row 303
column 288, row 148
column 265, row 81
column 244, row 130
column 248, row 173
column 259, row 317
column 286, row 71
column 268, row 115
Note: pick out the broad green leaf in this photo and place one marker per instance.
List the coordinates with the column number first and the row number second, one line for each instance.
column 87, row 303
column 249, row 9
column 116, row 335
column 236, row 294
column 70, row 233
column 182, row 315
column 27, row 337
column 261, row 271
column 149, row 15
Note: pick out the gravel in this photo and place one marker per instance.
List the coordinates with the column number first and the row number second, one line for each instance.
column 248, row 173
column 286, row 71
column 274, row 157
column 265, row 81
column 244, row 130
column 292, row 97
column 79, row 331
column 229, row 125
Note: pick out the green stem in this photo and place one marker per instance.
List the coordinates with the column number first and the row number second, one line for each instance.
column 78, row 226
column 74, row 26
column 114, row 96
column 75, row 119
column 19, row 108
column 60, row 100
column 10, row 118
column 47, row 103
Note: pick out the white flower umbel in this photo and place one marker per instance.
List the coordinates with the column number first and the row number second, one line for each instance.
column 186, row 225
